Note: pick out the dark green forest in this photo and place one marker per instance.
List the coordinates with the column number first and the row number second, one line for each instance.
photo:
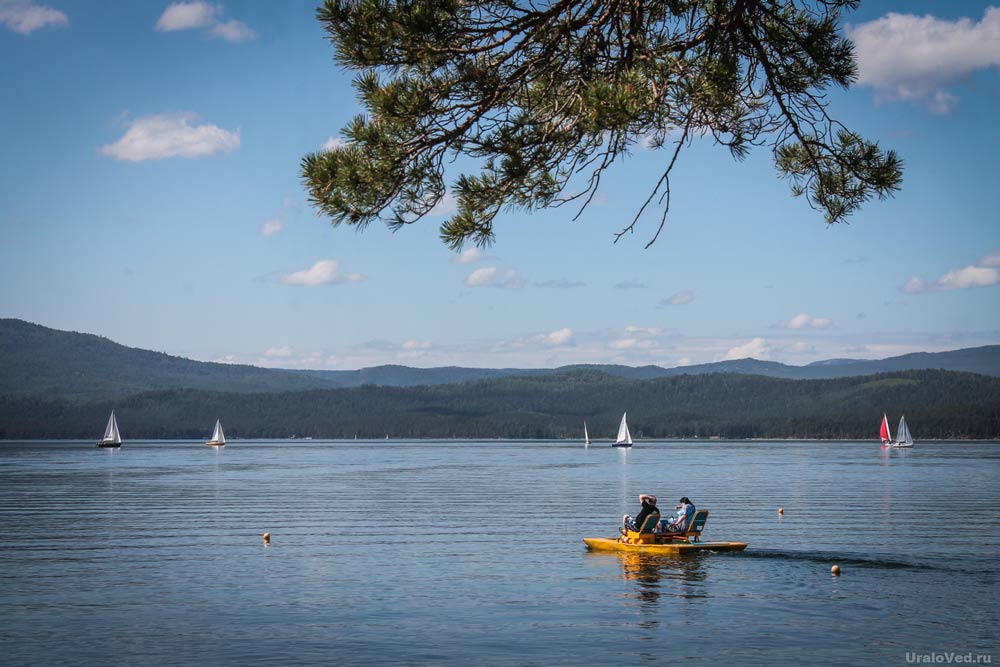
column 57, row 384
column 937, row 404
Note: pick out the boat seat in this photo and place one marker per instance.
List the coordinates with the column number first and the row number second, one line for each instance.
column 693, row 532
column 646, row 533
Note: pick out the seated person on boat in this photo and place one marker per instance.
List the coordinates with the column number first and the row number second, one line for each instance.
column 680, row 522
column 645, row 540
column 648, row 507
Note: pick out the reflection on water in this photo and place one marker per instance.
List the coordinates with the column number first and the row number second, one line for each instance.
column 656, row 574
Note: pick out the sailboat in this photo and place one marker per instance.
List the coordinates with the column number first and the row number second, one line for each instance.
column 883, row 432
column 218, row 437
column 586, row 437
column 624, row 438
column 112, row 438
column 903, row 437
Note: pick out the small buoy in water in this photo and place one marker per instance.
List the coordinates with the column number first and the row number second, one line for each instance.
column 781, row 510
column 267, row 537
column 835, row 570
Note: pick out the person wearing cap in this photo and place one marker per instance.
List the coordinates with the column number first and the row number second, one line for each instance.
column 648, row 507
column 685, row 512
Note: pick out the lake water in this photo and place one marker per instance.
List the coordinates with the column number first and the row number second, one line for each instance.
column 459, row 553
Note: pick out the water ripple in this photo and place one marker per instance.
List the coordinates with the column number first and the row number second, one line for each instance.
column 460, row 553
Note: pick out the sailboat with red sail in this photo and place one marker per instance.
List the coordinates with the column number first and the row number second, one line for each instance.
column 884, row 432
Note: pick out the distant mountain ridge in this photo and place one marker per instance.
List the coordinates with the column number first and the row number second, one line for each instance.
column 48, row 363
column 44, row 362
column 983, row 360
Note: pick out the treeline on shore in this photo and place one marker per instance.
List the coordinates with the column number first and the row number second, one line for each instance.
column 937, row 404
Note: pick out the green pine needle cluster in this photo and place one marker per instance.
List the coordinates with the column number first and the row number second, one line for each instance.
column 533, row 102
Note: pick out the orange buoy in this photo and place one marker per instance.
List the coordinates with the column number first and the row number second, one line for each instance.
column 267, row 537
column 835, row 570
column 781, row 510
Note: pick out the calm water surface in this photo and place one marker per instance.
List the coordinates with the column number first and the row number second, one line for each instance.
column 470, row 553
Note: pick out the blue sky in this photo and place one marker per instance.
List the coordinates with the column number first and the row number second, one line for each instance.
column 150, row 193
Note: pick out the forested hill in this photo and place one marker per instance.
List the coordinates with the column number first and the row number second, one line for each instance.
column 42, row 362
column 38, row 361
column 937, row 404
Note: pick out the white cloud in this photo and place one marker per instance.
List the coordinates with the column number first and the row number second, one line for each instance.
column 468, row 256
column 202, row 15
column 562, row 336
column 333, row 143
column 233, row 31
column 187, row 16
column 915, row 285
column 24, row 17
column 283, row 352
column 491, row 276
column 630, row 284
column 801, row 348
column 756, row 348
column 323, row 272
column 908, row 57
column 678, row 299
column 985, row 274
column 272, row 226
column 631, row 344
column 993, row 259
column 281, row 360
column 970, row 276
column 542, row 350
column 805, row 321
column 171, row 135
column 446, row 206
column 941, row 102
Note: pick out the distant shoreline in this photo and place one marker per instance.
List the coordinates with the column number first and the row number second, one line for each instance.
column 593, row 444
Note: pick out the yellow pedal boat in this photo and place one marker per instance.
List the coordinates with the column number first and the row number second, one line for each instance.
column 645, row 540
column 670, row 548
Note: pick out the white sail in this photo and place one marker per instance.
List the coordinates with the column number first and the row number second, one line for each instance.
column 624, row 437
column 111, row 434
column 586, row 437
column 903, row 437
column 218, row 437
